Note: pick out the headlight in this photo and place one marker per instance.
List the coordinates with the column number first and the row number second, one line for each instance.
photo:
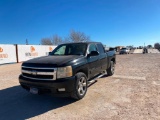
column 63, row 72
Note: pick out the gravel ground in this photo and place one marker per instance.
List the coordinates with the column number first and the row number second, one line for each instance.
column 132, row 93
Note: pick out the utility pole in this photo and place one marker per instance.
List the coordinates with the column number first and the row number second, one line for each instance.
column 26, row 41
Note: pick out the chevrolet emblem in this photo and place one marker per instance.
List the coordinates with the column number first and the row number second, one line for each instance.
column 34, row 72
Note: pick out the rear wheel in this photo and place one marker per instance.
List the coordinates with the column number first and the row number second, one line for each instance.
column 80, row 86
column 111, row 69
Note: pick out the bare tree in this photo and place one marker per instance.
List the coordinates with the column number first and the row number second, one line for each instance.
column 56, row 40
column 46, row 41
column 66, row 40
column 76, row 36
column 149, row 46
column 157, row 46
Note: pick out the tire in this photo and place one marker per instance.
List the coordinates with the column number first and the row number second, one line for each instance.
column 80, row 86
column 110, row 70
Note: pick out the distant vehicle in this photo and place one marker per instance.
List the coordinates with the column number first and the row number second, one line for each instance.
column 68, row 70
column 124, row 51
column 112, row 49
column 145, row 50
column 140, row 47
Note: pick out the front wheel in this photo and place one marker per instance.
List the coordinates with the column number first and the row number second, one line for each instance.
column 80, row 86
column 111, row 69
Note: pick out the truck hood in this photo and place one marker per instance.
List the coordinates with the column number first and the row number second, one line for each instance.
column 53, row 60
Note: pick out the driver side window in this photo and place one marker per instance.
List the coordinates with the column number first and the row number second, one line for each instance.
column 92, row 47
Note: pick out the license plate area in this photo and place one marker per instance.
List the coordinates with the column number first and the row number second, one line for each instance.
column 33, row 90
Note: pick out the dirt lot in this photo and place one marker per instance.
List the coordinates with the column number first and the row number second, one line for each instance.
column 133, row 93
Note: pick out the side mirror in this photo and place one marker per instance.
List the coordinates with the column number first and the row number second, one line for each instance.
column 93, row 53
column 49, row 53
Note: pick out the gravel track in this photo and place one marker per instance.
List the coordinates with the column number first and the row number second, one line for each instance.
column 132, row 93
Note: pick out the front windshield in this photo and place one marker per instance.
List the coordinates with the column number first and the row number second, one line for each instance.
column 70, row 49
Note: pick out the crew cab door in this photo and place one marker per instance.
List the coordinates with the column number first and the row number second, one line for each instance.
column 103, row 60
column 92, row 60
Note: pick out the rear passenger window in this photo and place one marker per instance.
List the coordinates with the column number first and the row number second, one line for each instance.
column 92, row 47
column 100, row 48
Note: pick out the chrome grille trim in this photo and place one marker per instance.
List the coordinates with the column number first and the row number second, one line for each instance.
column 34, row 71
column 36, row 78
column 38, row 73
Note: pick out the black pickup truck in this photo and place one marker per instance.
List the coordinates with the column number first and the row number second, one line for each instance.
column 67, row 70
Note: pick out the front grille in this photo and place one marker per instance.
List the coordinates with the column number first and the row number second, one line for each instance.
column 38, row 76
column 38, row 70
column 39, row 73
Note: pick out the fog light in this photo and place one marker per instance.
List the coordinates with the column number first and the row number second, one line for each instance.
column 61, row 89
